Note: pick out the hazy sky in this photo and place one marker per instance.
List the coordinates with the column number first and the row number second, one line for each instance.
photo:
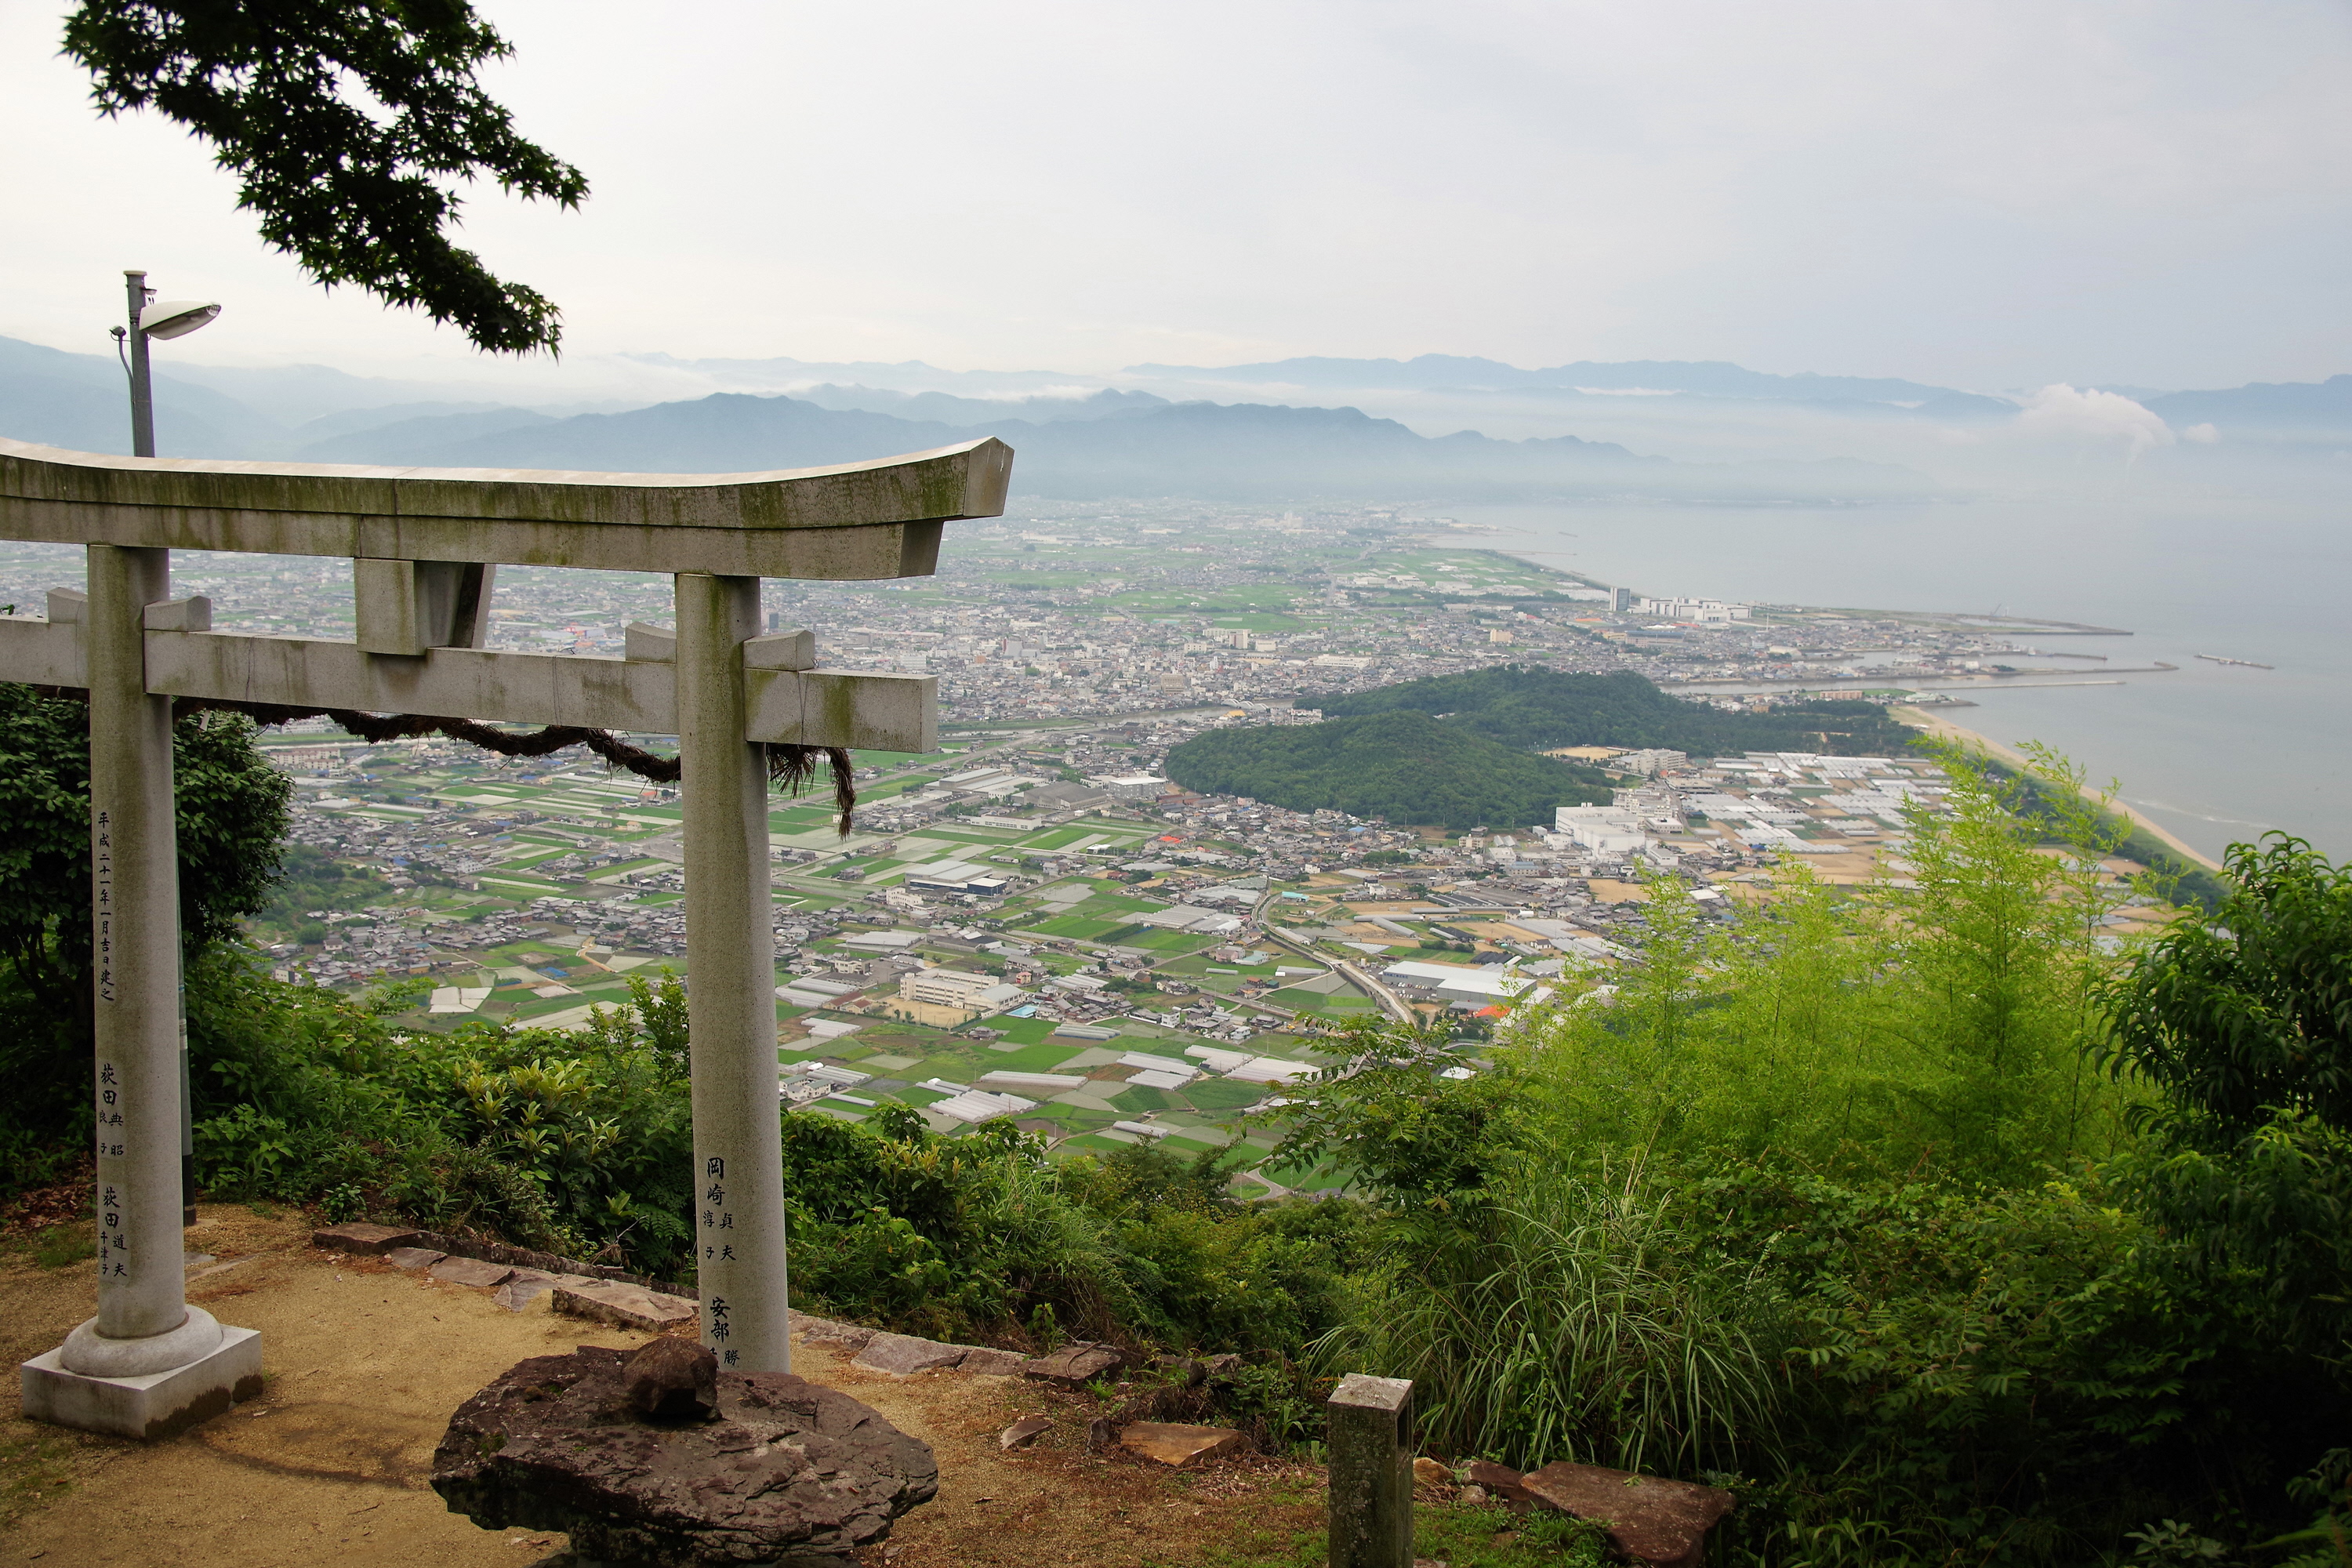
column 1985, row 194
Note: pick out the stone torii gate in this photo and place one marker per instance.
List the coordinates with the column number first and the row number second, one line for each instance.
column 424, row 545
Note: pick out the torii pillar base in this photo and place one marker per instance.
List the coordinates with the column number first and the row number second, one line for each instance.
column 145, row 1405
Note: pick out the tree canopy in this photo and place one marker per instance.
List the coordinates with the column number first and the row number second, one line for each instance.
column 1405, row 767
column 345, row 123
column 1532, row 708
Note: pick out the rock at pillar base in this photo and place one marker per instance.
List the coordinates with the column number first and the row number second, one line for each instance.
column 1657, row 1524
column 155, row 1405
column 787, row 1472
column 672, row 1380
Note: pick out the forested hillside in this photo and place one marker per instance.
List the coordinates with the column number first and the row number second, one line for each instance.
column 1403, row 766
column 1533, row 709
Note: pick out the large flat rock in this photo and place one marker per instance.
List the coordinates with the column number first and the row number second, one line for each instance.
column 789, row 1471
column 1660, row 1523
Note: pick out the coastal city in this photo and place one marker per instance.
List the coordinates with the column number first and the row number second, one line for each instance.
column 1034, row 923
column 1105, row 959
column 1076, row 611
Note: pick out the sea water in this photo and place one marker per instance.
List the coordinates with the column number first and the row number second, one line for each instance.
column 2215, row 753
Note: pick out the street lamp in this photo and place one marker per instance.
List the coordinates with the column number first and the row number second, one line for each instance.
column 152, row 318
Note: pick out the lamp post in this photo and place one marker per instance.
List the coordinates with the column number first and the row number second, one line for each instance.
column 152, row 319
column 168, row 319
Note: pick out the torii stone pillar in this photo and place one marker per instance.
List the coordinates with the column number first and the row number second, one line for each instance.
column 730, row 1005
column 423, row 543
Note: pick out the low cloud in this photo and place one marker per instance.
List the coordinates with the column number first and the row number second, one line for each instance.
column 2088, row 414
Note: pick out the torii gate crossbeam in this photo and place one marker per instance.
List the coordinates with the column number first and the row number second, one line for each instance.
column 425, row 544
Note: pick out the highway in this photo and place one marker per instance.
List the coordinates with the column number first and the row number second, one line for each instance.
column 1396, row 1005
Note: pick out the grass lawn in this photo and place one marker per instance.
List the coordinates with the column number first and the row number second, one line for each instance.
column 1187, row 1147
column 1224, row 1094
column 1171, row 940
column 1078, row 928
column 1092, row 1143
column 1044, row 1057
column 1027, row 1032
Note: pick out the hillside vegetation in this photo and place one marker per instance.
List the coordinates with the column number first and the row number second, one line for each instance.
column 1403, row 766
column 1533, row 709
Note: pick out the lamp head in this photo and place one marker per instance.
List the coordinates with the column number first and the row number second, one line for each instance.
column 176, row 318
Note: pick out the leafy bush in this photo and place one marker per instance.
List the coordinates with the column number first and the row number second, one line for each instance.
column 2244, row 1026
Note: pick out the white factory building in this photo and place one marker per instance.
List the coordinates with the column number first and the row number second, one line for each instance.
column 1611, row 829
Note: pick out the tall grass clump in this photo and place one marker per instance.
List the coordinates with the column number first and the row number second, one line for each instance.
column 1566, row 1321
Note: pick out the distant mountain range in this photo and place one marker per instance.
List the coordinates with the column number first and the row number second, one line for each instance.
column 1224, row 451
column 1076, row 442
column 2318, row 407
column 1704, row 378
column 2269, row 405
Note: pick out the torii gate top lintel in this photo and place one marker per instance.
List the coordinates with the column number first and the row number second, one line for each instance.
column 860, row 520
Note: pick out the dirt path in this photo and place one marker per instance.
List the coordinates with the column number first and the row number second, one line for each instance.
column 365, row 1363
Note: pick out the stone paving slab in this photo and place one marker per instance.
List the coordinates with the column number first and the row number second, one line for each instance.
column 470, row 1271
column 414, row 1256
column 851, row 1337
column 625, row 1306
column 528, row 1285
column 903, row 1354
column 1168, row 1443
column 1075, row 1365
column 1650, row 1522
column 360, row 1236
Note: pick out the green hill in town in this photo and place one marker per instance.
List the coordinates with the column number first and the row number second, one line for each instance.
column 1534, row 710
column 1404, row 766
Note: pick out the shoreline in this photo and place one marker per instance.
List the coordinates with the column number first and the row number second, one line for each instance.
column 1946, row 729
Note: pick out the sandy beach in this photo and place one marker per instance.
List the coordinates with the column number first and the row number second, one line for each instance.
column 1936, row 725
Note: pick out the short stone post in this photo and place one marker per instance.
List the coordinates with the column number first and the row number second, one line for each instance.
column 147, row 1364
column 1371, row 1464
column 731, row 991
